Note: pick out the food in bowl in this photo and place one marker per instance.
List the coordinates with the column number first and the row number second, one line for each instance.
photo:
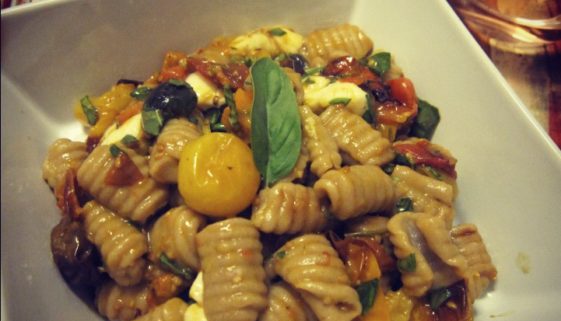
column 266, row 176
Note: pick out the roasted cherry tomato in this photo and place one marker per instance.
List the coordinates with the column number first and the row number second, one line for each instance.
column 403, row 107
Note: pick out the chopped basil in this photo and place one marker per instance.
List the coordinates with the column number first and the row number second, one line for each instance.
column 439, row 296
column 434, row 173
column 369, row 115
column 401, row 159
column 407, row 264
column 379, row 62
column 388, row 168
column 340, row 100
column 114, row 150
column 176, row 267
column 280, row 57
column 277, row 32
column 89, row 110
column 404, row 204
column 426, row 121
column 214, row 115
column 229, row 97
column 130, row 141
column 177, row 82
column 312, row 71
column 366, row 294
column 152, row 121
column 141, row 93
column 280, row 254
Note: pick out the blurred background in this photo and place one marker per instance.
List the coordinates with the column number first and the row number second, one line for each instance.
column 522, row 38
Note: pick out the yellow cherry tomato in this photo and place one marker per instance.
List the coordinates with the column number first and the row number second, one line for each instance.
column 217, row 175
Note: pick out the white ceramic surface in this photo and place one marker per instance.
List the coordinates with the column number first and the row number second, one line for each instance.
column 54, row 52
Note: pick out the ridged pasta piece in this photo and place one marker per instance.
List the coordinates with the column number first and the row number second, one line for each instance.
column 136, row 202
column 311, row 266
column 174, row 234
column 356, row 190
column 171, row 310
column 324, row 45
column 121, row 245
column 164, row 157
column 296, row 80
column 481, row 270
column 62, row 155
column 119, row 303
column 407, row 240
column 233, row 274
column 323, row 150
column 288, row 208
column 429, row 195
column 285, row 304
column 356, row 137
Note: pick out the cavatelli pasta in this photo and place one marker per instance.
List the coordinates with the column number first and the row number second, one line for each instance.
column 288, row 208
column 324, row 45
column 356, row 137
column 62, row 155
column 119, row 303
column 121, row 245
column 233, row 274
column 356, row 190
column 165, row 153
column 136, row 202
column 323, row 150
column 429, row 195
column 174, row 235
column 311, row 266
column 171, row 310
column 285, row 304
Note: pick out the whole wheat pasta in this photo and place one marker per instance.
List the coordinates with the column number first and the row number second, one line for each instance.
column 285, row 304
column 311, row 266
column 171, row 310
column 323, row 150
column 356, row 137
column 62, row 155
column 136, row 202
column 119, row 303
column 233, row 274
column 121, row 245
column 324, row 45
column 288, row 208
column 165, row 154
column 174, row 233
column 356, row 190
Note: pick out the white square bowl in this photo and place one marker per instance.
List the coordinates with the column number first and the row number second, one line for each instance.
column 54, row 52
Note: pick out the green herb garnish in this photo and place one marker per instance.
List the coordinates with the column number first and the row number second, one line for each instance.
column 379, row 62
column 340, row 101
column 214, row 115
column 176, row 267
column 276, row 133
column 401, row 159
column 277, row 32
column 280, row 254
column 426, row 121
column 229, row 97
column 114, row 150
column 130, row 141
column 369, row 115
column 152, row 121
column 366, row 294
column 140, row 93
column 439, row 296
column 388, row 168
column 89, row 110
column 407, row 264
column 312, row 71
column 434, row 173
column 177, row 82
column 404, row 204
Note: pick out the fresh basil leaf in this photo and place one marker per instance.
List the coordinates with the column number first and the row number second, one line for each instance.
column 176, row 267
column 369, row 115
column 312, row 71
column 407, row 264
column 404, row 204
column 114, row 150
column 140, row 93
column 366, row 294
column 379, row 62
column 439, row 296
column 152, row 121
column 129, row 141
column 340, row 101
column 426, row 121
column 276, row 133
column 277, row 32
column 89, row 110
column 229, row 97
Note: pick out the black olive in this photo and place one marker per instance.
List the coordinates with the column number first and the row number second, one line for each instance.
column 75, row 256
column 295, row 61
column 173, row 99
column 382, row 94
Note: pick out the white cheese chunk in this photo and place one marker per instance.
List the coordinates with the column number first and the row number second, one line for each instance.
column 289, row 42
column 207, row 94
column 114, row 134
column 196, row 291
column 256, row 43
column 194, row 312
column 319, row 92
